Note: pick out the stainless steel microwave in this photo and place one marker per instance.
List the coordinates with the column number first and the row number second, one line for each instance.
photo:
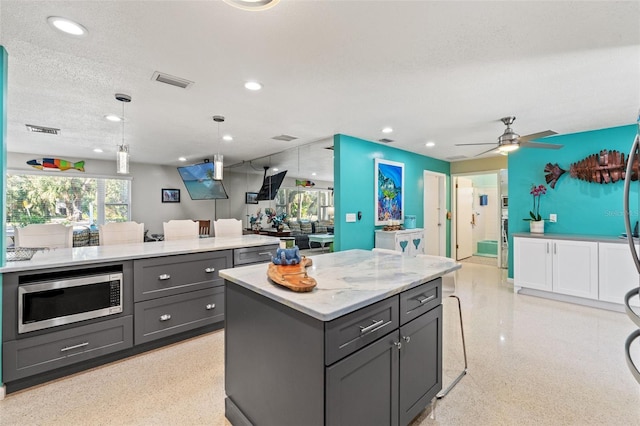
column 51, row 303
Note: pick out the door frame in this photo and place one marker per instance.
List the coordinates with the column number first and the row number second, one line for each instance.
column 454, row 208
column 442, row 205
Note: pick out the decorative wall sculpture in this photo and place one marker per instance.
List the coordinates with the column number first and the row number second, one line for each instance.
column 605, row 167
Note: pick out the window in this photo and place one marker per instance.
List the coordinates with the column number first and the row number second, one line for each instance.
column 76, row 200
column 305, row 204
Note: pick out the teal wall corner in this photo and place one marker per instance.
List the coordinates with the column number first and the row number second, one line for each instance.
column 583, row 208
column 4, row 57
column 354, row 188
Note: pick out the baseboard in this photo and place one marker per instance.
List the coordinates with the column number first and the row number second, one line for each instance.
column 572, row 299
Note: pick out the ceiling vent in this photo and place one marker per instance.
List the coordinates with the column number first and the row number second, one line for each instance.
column 42, row 129
column 385, row 140
column 171, row 80
column 286, row 138
column 457, row 157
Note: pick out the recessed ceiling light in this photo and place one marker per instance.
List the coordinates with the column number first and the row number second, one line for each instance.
column 275, row 169
column 387, row 130
column 182, row 159
column 112, row 117
column 430, row 144
column 313, row 174
column 252, row 85
column 227, row 138
column 254, row 5
column 67, row 26
column 98, row 150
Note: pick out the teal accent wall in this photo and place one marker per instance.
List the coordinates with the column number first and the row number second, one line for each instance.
column 3, row 159
column 582, row 207
column 354, row 188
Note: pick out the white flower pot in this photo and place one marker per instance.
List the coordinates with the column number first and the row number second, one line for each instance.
column 536, row 226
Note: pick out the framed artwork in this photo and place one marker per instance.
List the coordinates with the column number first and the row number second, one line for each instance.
column 389, row 192
column 251, row 198
column 170, row 195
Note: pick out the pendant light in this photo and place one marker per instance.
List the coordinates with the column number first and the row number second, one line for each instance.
column 218, row 163
column 122, row 156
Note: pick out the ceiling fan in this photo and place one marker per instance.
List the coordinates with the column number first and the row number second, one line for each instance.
column 509, row 141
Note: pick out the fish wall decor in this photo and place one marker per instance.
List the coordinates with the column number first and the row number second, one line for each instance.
column 604, row 167
column 305, row 183
column 56, row 164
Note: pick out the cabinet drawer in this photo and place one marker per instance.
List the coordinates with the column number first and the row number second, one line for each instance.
column 419, row 300
column 34, row 355
column 351, row 332
column 170, row 315
column 166, row 276
column 248, row 255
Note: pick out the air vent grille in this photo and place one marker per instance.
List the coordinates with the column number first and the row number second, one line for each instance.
column 41, row 129
column 171, row 80
column 457, row 157
column 385, row 140
column 286, row 138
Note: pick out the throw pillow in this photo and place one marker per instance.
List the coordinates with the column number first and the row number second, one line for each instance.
column 294, row 226
column 305, row 227
column 321, row 229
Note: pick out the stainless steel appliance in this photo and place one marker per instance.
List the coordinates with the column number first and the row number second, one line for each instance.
column 51, row 303
column 633, row 314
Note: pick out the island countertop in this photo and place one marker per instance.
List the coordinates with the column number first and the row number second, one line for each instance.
column 63, row 257
column 347, row 281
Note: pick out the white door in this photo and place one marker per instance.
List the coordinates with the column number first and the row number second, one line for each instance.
column 464, row 218
column 434, row 214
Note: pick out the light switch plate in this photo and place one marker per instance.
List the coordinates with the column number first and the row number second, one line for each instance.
column 351, row 217
column 553, row 218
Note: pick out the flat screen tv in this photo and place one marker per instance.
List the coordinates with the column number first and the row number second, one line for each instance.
column 270, row 186
column 198, row 179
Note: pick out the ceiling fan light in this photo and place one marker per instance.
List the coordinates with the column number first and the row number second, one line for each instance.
column 508, row 147
column 252, row 5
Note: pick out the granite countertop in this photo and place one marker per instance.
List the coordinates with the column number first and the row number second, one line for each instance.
column 579, row 237
column 347, row 280
column 98, row 254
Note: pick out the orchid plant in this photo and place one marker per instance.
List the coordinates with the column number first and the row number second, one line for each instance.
column 536, row 192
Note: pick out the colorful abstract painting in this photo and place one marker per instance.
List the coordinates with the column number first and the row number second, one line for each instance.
column 389, row 191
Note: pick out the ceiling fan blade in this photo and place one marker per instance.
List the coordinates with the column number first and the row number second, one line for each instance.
column 539, row 135
column 469, row 144
column 495, row 148
column 540, row 145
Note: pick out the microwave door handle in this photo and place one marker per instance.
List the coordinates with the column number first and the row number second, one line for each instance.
column 627, row 187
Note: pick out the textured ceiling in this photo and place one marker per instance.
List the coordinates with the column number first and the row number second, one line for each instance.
column 434, row 71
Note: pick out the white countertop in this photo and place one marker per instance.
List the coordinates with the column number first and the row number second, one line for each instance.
column 99, row 254
column 575, row 237
column 347, row 280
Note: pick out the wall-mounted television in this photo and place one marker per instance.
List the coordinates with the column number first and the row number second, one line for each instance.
column 198, row 179
column 270, row 186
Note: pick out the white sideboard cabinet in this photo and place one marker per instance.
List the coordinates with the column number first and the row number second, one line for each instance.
column 561, row 266
column 408, row 241
column 617, row 273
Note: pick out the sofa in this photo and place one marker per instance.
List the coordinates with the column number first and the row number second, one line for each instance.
column 301, row 230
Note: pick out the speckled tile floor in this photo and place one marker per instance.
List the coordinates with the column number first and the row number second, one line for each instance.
column 531, row 361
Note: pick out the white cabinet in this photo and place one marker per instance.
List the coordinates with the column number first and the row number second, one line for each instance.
column 560, row 266
column 408, row 241
column 617, row 272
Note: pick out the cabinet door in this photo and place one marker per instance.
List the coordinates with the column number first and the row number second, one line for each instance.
column 616, row 271
column 362, row 389
column 575, row 268
column 403, row 242
column 416, row 243
column 532, row 263
column 420, row 363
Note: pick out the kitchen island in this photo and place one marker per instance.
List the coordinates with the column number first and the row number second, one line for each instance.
column 364, row 347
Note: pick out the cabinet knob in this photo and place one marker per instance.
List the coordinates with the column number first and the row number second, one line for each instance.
column 406, row 338
column 165, row 317
column 209, row 270
column 164, row 277
column 398, row 345
column 210, row 306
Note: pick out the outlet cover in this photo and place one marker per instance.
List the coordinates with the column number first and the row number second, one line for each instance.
column 351, row 217
column 553, row 218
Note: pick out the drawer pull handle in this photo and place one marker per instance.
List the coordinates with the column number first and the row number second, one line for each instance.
column 398, row 345
column 264, row 253
column 165, row 317
column 164, row 277
column 68, row 348
column 426, row 299
column 370, row 327
column 209, row 270
column 406, row 338
column 210, row 306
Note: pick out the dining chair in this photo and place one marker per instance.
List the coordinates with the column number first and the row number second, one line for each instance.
column 180, row 230
column 204, row 227
column 448, row 290
column 121, row 233
column 227, row 228
column 51, row 235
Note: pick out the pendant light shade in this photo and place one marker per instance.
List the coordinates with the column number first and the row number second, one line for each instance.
column 218, row 159
column 122, row 156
